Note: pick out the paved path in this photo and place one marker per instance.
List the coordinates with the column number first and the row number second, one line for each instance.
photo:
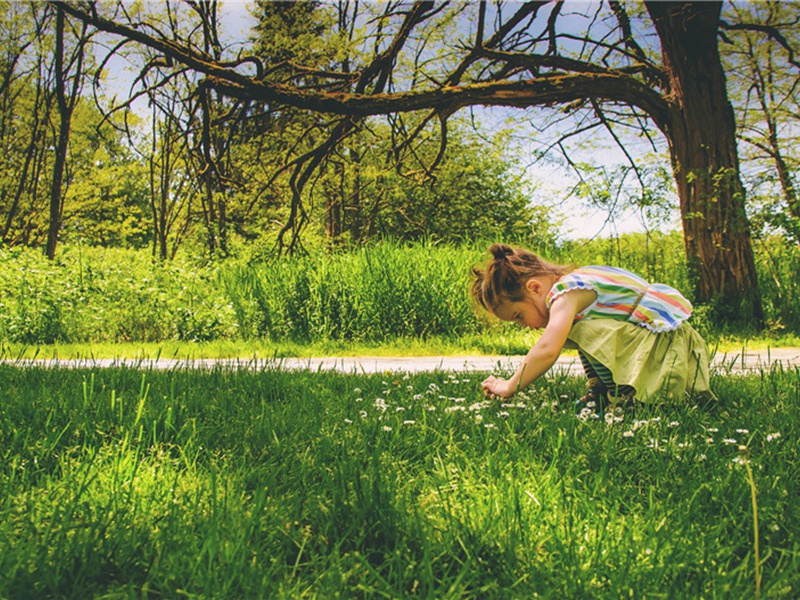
column 727, row 362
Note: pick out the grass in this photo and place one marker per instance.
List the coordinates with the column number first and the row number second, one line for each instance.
column 409, row 298
column 213, row 484
column 489, row 342
column 495, row 341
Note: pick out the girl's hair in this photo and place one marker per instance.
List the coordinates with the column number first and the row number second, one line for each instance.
column 506, row 274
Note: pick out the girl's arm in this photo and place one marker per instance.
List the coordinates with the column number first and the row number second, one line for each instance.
column 544, row 353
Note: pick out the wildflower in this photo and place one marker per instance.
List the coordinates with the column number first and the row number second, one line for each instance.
column 712, row 430
column 591, row 404
column 348, row 421
column 357, row 390
column 503, row 414
column 409, row 422
column 417, row 396
column 739, row 460
column 359, row 399
column 628, row 433
column 490, row 426
column 702, row 457
column 410, row 388
column 729, row 441
column 363, row 414
column 387, row 427
column 399, row 409
column 673, row 424
column 773, row 436
column 743, row 431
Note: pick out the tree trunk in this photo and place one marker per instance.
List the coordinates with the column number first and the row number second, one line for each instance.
column 702, row 141
column 65, row 116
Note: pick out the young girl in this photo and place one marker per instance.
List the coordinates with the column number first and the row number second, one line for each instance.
column 631, row 336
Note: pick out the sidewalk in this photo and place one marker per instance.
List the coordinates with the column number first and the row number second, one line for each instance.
column 729, row 362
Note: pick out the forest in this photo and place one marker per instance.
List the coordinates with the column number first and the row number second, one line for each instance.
column 336, row 124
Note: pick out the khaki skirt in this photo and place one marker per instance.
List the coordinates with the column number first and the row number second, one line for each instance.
column 666, row 366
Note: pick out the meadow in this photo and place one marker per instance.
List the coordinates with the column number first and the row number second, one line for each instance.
column 125, row 483
column 383, row 298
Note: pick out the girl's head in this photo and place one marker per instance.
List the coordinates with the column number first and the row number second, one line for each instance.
column 505, row 278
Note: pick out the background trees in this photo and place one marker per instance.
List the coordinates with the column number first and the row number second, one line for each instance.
column 342, row 121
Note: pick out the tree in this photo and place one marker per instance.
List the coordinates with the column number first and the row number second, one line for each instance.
column 529, row 55
column 69, row 76
column 765, row 73
column 26, row 101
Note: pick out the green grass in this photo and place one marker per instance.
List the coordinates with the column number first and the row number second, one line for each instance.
column 413, row 297
column 495, row 341
column 501, row 340
column 224, row 484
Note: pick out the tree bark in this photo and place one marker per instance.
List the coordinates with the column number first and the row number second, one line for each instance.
column 701, row 133
column 66, row 106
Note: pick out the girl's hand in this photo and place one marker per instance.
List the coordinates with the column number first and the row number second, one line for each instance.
column 494, row 387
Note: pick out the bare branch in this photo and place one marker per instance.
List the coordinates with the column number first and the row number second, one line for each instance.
column 771, row 32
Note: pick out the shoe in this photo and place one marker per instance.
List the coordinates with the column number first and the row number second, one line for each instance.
column 617, row 401
column 595, row 391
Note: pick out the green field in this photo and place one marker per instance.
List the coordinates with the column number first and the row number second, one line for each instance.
column 224, row 484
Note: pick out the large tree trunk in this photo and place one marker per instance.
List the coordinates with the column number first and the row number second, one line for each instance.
column 702, row 140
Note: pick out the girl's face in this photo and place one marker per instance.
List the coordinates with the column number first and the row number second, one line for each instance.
column 530, row 312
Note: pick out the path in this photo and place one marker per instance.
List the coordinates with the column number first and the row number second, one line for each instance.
column 727, row 362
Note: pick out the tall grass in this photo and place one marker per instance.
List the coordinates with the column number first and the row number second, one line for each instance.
column 371, row 293
column 380, row 292
column 221, row 484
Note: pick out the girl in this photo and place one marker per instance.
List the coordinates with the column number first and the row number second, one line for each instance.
column 631, row 336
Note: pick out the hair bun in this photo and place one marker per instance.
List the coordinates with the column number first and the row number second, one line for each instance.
column 500, row 251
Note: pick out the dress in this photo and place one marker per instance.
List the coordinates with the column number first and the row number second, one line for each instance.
column 639, row 332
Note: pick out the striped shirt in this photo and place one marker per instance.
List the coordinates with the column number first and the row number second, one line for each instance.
column 625, row 296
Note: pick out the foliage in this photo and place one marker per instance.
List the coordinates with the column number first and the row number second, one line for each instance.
column 763, row 74
column 254, row 483
column 107, row 295
column 369, row 294
column 381, row 291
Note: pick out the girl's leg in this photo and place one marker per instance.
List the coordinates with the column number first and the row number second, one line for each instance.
column 599, row 371
column 595, row 387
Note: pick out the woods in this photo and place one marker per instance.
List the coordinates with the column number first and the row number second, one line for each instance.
column 344, row 122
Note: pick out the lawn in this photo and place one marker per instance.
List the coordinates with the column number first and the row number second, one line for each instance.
column 224, row 484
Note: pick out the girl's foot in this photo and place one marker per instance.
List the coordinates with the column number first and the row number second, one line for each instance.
column 595, row 391
column 622, row 398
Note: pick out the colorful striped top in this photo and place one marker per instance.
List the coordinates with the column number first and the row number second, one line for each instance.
column 625, row 296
